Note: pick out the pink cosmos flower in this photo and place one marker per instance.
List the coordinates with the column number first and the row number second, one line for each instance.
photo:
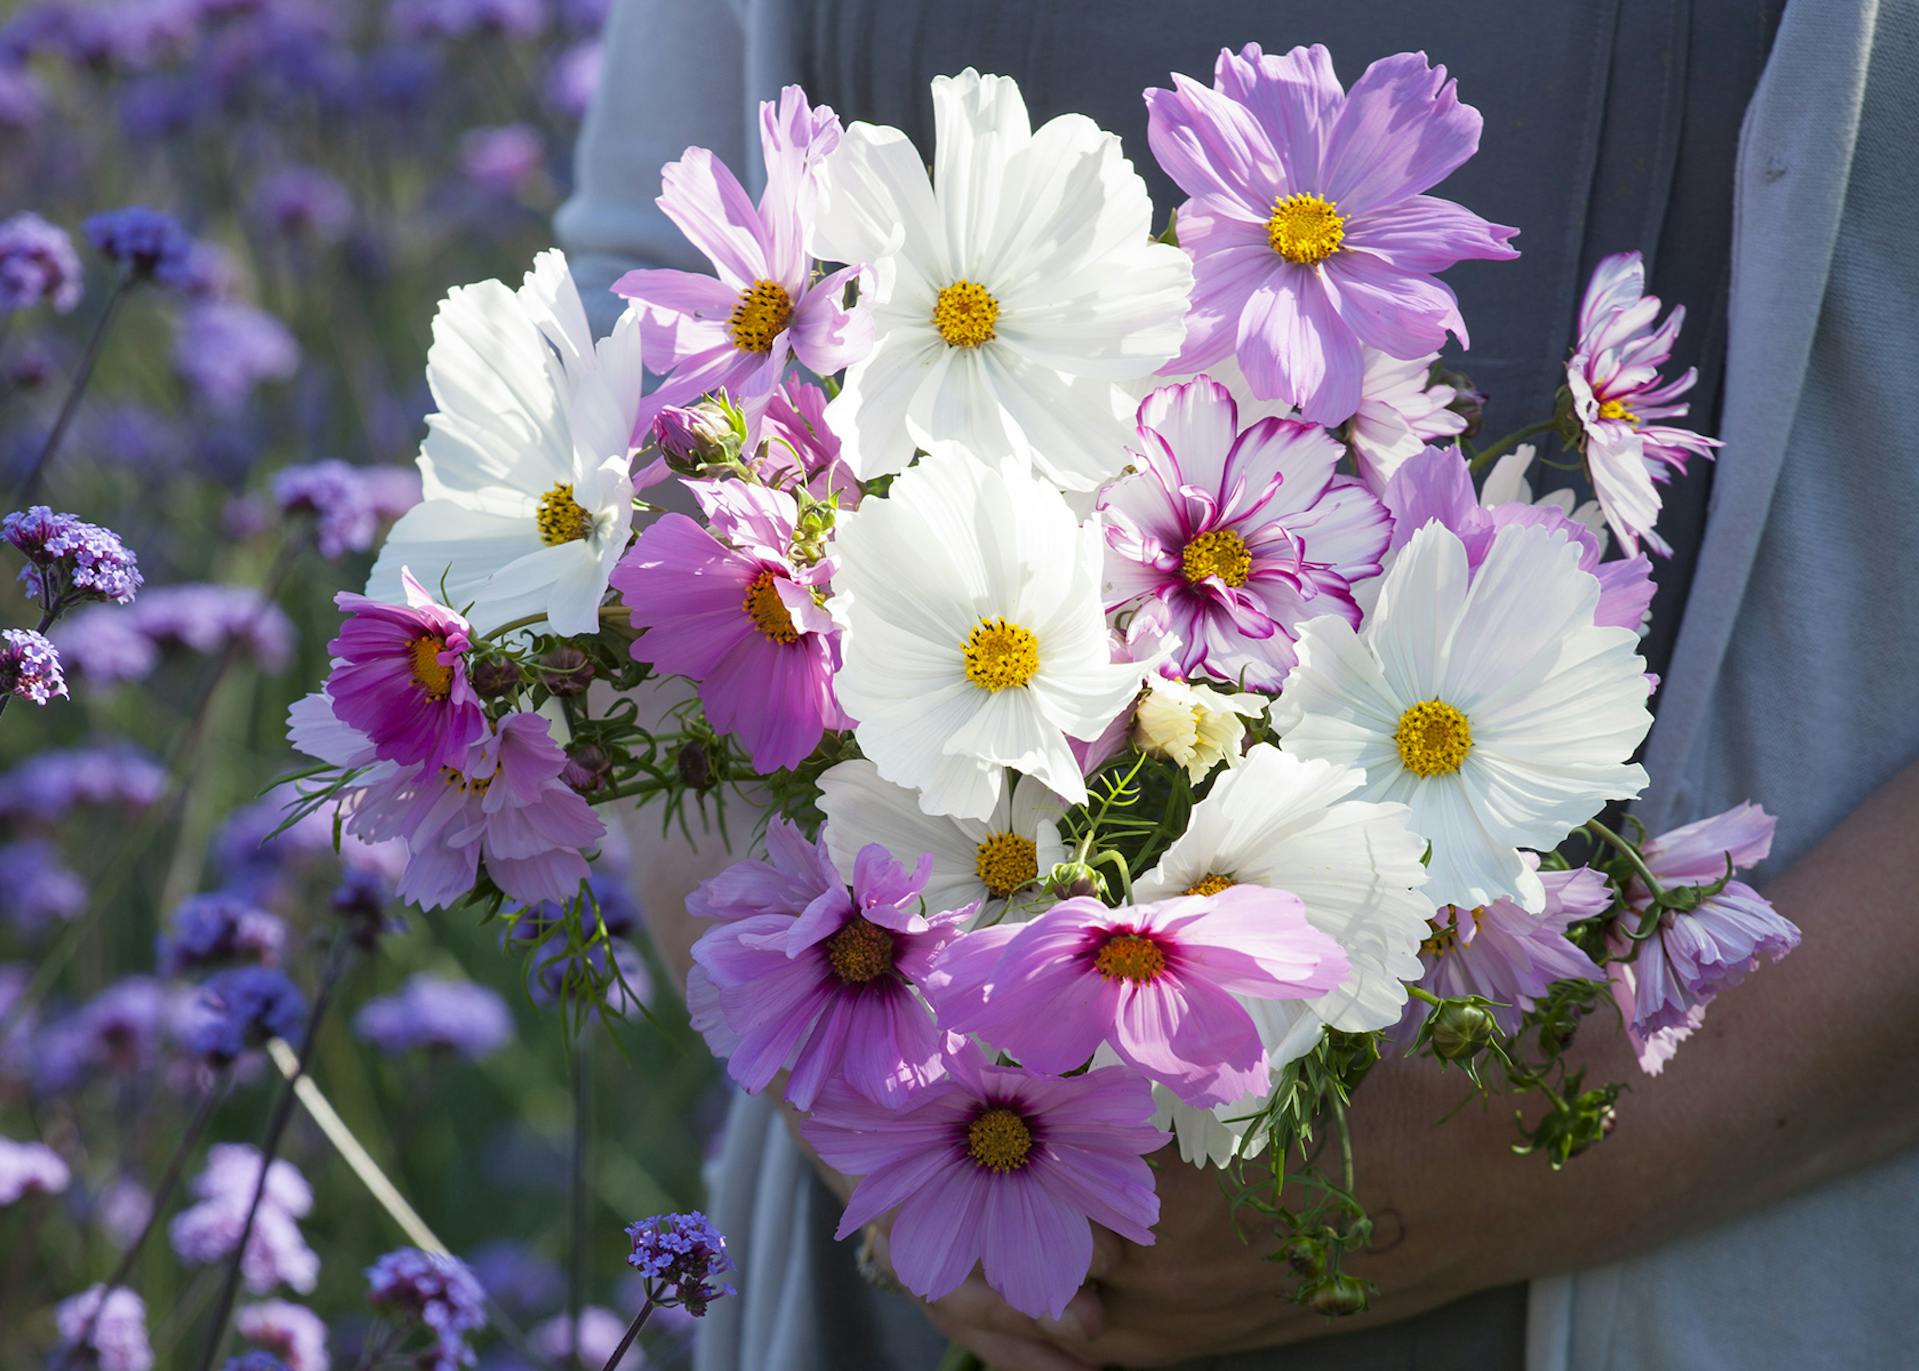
column 1503, row 954
column 1243, row 534
column 1308, row 226
column 997, row 1166
column 399, row 677
column 1437, row 486
column 1617, row 394
column 800, row 447
column 732, row 609
column 824, row 986
column 1399, row 412
column 735, row 330
column 1155, row 981
column 1664, row 990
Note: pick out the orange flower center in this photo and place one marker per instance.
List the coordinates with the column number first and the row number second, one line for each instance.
column 1127, row 956
column 431, row 674
column 860, row 952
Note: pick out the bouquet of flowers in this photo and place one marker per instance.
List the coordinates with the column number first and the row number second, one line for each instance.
column 1146, row 723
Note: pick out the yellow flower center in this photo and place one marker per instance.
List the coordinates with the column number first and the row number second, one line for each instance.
column 860, row 952
column 1445, row 936
column 1000, row 654
column 999, row 1140
column 561, row 518
column 965, row 314
column 1222, row 553
column 472, row 785
column 1433, row 738
column 1130, row 957
column 1210, row 885
column 1306, row 229
column 762, row 314
column 767, row 610
column 429, row 672
column 1006, row 862
column 1616, row 409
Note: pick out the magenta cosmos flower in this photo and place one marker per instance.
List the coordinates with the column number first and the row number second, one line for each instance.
column 735, row 611
column 1618, row 395
column 1308, row 226
column 734, row 331
column 1436, row 486
column 1155, row 981
column 399, row 676
column 1664, row 990
column 1501, row 953
column 1243, row 534
column 997, row 1166
column 824, row 987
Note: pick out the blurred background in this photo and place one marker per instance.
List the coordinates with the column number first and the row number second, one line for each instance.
column 248, row 430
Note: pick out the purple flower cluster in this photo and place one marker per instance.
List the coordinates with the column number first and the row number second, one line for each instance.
column 37, row 888
column 440, row 1292
column 29, row 666
column 144, row 242
column 118, row 1031
column 29, row 1168
column 108, row 1329
column 501, row 160
column 242, row 1008
column 291, row 1332
column 516, row 1276
column 69, row 560
column 104, row 646
column 455, row 19
column 303, row 202
column 679, row 1256
column 599, row 1333
column 438, row 1015
column 347, row 502
column 37, row 265
column 224, row 349
column 50, row 785
column 209, row 1230
column 219, row 929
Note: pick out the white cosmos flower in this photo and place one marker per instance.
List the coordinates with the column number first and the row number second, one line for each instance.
column 1192, row 724
column 527, row 463
column 1018, row 292
column 1506, row 483
column 1496, row 710
column 994, row 861
column 973, row 634
column 1292, row 824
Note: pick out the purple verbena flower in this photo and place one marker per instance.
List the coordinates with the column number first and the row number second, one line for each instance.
column 50, row 785
column 455, row 19
column 29, row 1168
column 115, row 1336
column 213, row 619
column 599, row 1333
column 103, row 646
column 249, row 1005
column 70, row 560
column 440, row 1292
column 208, row 1231
column 224, row 349
column 37, row 887
column 435, row 1014
column 680, row 1256
column 1308, row 226
column 118, row 1031
column 255, row 1360
column 345, row 501
column 37, row 265
column 30, row 666
column 303, row 202
column 573, row 76
column 517, row 1276
column 502, row 160
column 144, row 242
column 291, row 1332
column 217, row 930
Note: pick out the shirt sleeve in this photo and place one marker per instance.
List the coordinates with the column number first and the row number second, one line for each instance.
column 671, row 77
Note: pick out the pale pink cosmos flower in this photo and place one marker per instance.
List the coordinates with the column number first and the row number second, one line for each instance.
column 1618, row 397
column 998, row 1167
column 399, row 676
column 1400, row 411
column 1155, row 982
column 1242, row 534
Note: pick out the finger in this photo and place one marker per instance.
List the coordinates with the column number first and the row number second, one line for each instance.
column 1109, row 1250
column 974, row 1304
column 1004, row 1352
column 1084, row 1317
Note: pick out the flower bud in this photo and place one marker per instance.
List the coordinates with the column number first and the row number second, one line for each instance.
column 1460, row 1030
column 1340, row 1294
column 1303, row 1255
column 695, row 764
column 697, row 437
column 566, row 670
column 494, row 677
column 1468, row 402
column 589, row 767
column 1194, row 726
column 1070, row 880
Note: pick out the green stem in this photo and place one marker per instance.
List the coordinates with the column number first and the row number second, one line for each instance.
column 1631, row 854
column 1511, row 440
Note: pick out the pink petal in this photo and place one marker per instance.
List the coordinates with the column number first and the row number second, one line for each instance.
column 1401, row 131
column 1294, row 346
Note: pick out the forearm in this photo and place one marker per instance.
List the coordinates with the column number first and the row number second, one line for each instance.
column 1785, row 1086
